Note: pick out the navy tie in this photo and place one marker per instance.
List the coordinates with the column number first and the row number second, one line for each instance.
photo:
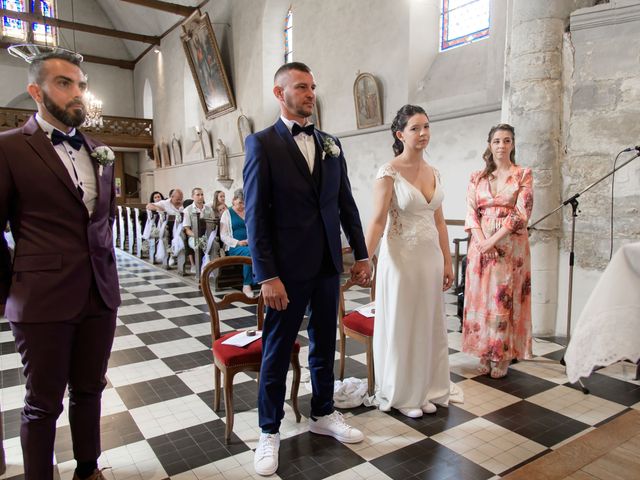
column 296, row 129
column 76, row 140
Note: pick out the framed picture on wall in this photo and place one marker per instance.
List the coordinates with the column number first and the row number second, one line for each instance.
column 209, row 74
column 366, row 95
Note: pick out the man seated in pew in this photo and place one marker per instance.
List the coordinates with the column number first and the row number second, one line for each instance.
column 173, row 208
column 195, row 214
column 172, row 205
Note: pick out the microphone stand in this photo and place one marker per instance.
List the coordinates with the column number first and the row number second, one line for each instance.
column 573, row 201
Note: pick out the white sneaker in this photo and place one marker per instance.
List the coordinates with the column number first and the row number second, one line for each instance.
column 429, row 408
column 334, row 426
column 411, row 412
column 265, row 461
column 247, row 290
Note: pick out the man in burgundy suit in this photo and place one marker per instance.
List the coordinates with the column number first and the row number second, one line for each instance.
column 61, row 290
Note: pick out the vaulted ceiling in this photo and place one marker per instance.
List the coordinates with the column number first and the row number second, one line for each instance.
column 116, row 32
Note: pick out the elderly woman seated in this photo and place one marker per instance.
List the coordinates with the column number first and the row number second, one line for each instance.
column 233, row 233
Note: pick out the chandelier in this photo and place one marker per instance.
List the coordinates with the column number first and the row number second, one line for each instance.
column 93, row 107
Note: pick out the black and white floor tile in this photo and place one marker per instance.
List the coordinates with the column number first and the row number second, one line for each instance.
column 158, row 420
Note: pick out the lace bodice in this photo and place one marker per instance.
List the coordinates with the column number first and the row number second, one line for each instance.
column 411, row 217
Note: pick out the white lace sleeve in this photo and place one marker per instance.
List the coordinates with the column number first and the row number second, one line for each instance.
column 386, row 170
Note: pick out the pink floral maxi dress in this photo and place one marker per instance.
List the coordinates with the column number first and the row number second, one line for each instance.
column 497, row 297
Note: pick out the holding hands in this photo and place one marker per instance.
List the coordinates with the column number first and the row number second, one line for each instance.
column 361, row 273
column 487, row 248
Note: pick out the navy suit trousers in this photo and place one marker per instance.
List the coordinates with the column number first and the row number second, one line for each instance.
column 279, row 334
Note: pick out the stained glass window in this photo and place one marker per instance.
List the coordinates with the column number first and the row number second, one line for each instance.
column 463, row 22
column 44, row 33
column 288, row 37
column 18, row 30
column 11, row 27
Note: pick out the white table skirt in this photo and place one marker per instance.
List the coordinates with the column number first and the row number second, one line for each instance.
column 608, row 329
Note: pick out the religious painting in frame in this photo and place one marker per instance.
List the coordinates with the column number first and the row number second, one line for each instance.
column 209, row 74
column 366, row 95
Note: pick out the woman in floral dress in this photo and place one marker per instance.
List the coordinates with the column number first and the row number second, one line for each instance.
column 497, row 311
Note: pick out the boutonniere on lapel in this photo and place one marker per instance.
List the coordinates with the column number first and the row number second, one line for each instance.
column 104, row 156
column 330, row 148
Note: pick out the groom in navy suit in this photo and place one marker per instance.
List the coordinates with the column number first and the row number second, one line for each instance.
column 297, row 195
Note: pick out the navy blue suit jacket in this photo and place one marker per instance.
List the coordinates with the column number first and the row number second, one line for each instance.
column 290, row 221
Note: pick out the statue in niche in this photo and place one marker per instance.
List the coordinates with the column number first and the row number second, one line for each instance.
column 200, row 141
column 164, row 153
column 244, row 129
column 176, row 150
column 206, row 139
column 223, row 162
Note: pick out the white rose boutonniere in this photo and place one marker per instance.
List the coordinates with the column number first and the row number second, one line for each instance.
column 105, row 157
column 330, row 148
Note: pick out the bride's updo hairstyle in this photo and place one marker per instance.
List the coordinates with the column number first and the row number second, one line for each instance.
column 400, row 122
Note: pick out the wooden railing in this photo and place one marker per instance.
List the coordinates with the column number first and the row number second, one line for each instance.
column 116, row 132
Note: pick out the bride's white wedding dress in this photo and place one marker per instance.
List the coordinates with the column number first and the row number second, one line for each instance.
column 410, row 337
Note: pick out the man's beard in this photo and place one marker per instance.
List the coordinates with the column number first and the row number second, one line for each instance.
column 299, row 110
column 70, row 117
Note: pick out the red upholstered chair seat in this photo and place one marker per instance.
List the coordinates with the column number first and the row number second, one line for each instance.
column 359, row 323
column 232, row 356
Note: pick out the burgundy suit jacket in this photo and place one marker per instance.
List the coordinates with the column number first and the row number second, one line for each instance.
column 60, row 249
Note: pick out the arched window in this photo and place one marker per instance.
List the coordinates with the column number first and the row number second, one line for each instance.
column 463, row 22
column 13, row 29
column 44, row 33
column 21, row 31
column 288, row 37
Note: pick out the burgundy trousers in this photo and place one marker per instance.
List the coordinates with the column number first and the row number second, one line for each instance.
column 54, row 355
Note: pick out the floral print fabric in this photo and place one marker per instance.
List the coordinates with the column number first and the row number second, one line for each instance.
column 497, row 310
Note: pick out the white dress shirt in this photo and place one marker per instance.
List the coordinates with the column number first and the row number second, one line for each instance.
column 77, row 162
column 305, row 143
column 169, row 207
column 206, row 213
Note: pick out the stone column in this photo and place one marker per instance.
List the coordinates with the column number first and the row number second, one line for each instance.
column 532, row 103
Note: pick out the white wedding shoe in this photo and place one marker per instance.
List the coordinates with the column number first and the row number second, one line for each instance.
column 429, row 408
column 247, row 290
column 411, row 412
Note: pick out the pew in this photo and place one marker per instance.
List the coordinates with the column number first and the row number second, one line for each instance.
column 138, row 231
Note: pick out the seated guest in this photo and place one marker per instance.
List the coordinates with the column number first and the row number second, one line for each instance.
column 219, row 197
column 172, row 205
column 233, row 233
column 194, row 214
column 147, row 217
column 156, row 197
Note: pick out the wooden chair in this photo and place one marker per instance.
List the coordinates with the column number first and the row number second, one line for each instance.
column 357, row 326
column 229, row 359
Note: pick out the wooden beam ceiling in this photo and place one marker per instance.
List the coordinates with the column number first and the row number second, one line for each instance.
column 80, row 27
column 116, row 62
column 164, row 6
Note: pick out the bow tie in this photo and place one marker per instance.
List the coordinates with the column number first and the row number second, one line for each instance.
column 296, row 129
column 76, row 140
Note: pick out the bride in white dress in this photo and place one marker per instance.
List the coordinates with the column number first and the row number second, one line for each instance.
column 410, row 347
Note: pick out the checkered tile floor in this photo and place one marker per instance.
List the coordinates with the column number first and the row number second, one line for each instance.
column 158, row 422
